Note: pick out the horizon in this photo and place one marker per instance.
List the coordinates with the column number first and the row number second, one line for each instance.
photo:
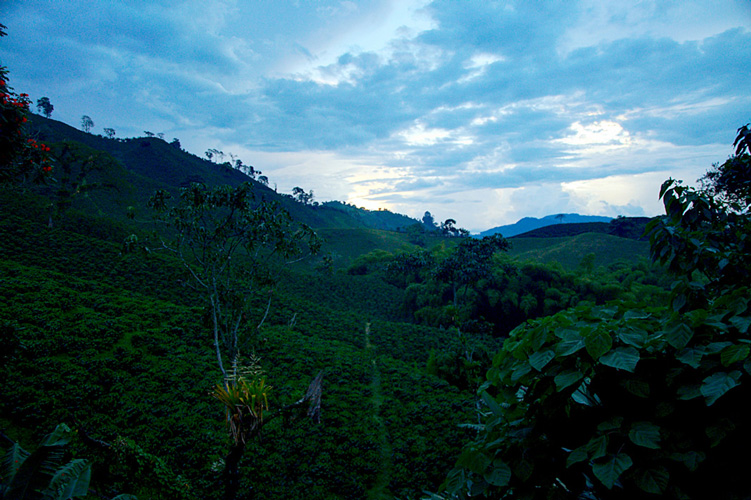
column 480, row 112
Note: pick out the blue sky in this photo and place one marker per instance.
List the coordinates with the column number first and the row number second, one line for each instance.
column 480, row 111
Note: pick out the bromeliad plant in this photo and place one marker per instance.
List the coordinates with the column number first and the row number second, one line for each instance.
column 244, row 395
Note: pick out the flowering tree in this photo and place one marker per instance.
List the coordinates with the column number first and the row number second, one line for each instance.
column 22, row 158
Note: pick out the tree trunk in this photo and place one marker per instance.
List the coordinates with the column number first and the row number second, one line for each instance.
column 232, row 471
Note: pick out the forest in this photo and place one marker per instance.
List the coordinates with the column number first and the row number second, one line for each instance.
column 174, row 328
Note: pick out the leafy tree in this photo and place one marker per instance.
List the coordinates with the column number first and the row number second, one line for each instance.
column 469, row 261
column 109, row 132
column 731, row 181
column 448, row 227
column 228, row 242
column 628, row 399
column 301, row 196
column 429, row 221
column 87, row 123
column 175, row 143
column 416, row 234
column 45, row 107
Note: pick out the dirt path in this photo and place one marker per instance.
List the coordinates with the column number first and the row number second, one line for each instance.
column 380, row 489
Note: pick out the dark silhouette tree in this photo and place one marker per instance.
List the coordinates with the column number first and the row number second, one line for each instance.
column 429, row 222
column 731, row 180
column 45, row 107
column 86, row 123
column 109, row 133
column 301, row 196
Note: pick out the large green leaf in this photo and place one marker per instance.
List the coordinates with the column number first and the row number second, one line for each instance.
column 645, row 434
column 597, row 447
column 584, row 396
column 578, row 455
column 742, row 323
column 569, row 345
column 734, row 353
column 691, row 459
column 691, row 356
column 499, row 475
column 717, row 384
column 539, row 359
column 653, row 480
column 59, row 437
column 636, row 387
column 491, row 402
column 622, row 358
column 70, row 480
column 679, row 335
column 567, row 378
column 609, row 470
column 474, row 460
column 598, row 343
column 633, row 336
column 12, row 461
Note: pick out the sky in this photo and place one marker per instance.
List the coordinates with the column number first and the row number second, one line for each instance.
column 480, row 111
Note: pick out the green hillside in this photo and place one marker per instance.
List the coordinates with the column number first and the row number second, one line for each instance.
column 569, row 251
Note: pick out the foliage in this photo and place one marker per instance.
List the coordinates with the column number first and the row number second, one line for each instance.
column 45, row 107
column 22, row 157
column 594, row 402
column 215, row 226
column 42, row 474
column 730, row 181
column 86, row 123
column 301, row 196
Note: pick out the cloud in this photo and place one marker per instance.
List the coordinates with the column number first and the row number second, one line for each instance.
column 409, row 104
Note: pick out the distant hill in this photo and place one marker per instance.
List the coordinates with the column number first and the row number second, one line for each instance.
column 570, row 251
column 375, row 219
column 146, row 164
column 624, row 227
column 530, row 223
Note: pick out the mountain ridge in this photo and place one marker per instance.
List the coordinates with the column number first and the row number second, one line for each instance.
column 527, row 224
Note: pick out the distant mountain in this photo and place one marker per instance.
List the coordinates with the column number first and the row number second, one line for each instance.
column 530, row 223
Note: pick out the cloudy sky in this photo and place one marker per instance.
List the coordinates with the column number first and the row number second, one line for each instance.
column 480, row 111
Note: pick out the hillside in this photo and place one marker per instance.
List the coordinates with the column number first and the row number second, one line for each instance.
column 570, row 251
column 117, row 340
column 150, row 163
